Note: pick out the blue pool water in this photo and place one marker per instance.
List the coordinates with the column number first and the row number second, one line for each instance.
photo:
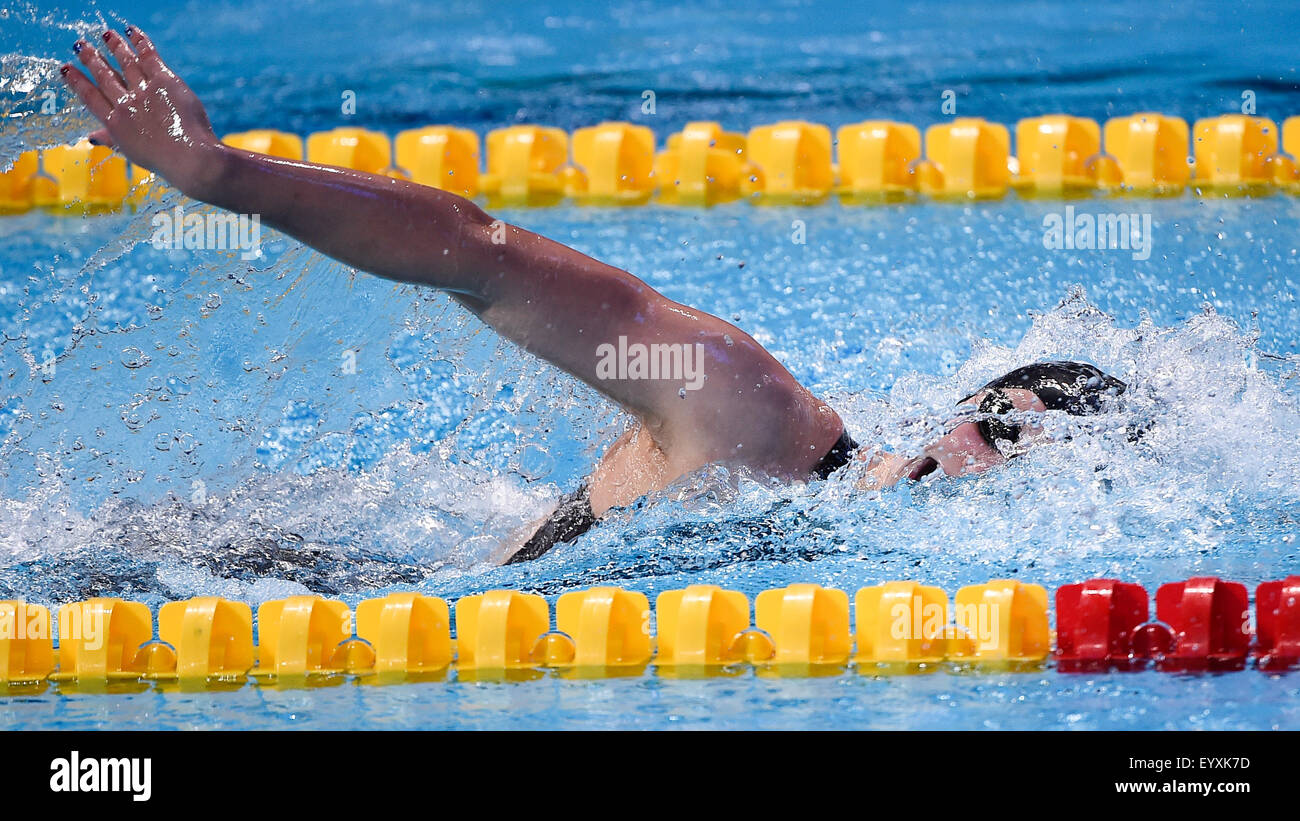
column 165, row 411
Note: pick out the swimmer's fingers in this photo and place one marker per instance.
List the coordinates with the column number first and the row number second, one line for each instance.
column 100, row 137
column 125, row 57
column 87, row 91
column 109, row 81
column 147, row 56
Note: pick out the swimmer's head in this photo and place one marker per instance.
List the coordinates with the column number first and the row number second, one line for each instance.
column 989, row 427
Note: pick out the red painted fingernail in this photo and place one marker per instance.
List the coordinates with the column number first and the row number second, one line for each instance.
column 63, row 69
column 106, row 35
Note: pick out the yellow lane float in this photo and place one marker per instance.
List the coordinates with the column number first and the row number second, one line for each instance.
column 269, row 142
column 354, row 148
column 966, row 159
column 440, row 157
column 794, row 158
column 1003, row 622
column 212, row 639
column 876, row 161
column 1150, row 152
column 704, row 165
column 617, row 161
column 26, row 643
column 527, row 165
column 409, row 633
column 792, row 162
column 1235, row 154
column 500, row 630
column 299, row 638
column 601, row 632
column 100, row 641
column 903, row 624
column 808, row 624
column 700, row 626
column 1060, row 156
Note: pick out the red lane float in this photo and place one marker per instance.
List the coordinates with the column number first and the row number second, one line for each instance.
column 1201, row 624
column 1277, row 624
column 1210, row 619
column 1098, row 625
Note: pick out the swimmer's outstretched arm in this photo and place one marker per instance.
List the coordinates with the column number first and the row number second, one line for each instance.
column 552, row 300
column 737, row 405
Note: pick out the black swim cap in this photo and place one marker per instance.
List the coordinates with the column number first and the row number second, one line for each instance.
column 1074, row 387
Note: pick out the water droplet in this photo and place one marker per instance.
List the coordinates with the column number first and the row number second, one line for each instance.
column 133, row 357
column 535, row 462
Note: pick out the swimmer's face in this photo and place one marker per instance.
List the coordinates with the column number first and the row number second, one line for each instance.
column 963, row 450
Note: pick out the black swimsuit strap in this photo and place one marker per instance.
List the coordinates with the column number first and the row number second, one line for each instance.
column 840, row 454
column 571, row 519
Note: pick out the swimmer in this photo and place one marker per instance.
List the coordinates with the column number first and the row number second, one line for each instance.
column 739, row 406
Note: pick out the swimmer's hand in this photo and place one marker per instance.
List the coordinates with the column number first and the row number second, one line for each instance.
column 148, row 112
column 885, row 470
